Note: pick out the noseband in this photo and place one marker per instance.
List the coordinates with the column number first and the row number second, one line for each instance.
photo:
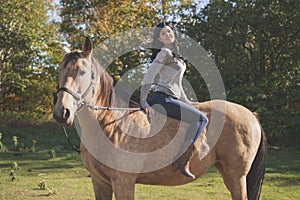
column 75, row 95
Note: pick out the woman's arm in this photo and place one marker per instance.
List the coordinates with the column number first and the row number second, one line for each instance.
column 151, row 73
column 148, row 81
column 183, row 96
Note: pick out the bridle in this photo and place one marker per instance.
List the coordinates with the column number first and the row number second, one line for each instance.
column 80, row 99
column 81, row 103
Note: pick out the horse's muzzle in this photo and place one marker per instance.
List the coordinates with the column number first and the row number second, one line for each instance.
column 63, row 116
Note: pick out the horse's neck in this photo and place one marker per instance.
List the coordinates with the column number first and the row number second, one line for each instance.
column 131, row 130
column 105, row 97
column 115, row 124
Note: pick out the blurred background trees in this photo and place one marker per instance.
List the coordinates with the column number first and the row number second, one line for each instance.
column 254, row 43
column 29, row 46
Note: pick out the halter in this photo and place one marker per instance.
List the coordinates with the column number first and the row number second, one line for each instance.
column 76, row 96
column 80, row 100
column 82, row 103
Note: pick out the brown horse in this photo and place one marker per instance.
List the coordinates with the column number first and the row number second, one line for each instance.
column 238, row 151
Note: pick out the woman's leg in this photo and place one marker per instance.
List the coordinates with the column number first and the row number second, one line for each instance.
column 179, row 110
column 182, row 111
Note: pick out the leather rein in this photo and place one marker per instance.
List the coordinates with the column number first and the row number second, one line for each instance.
column 81, row 102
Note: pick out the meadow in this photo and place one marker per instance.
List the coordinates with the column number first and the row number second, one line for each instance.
column 39, row 164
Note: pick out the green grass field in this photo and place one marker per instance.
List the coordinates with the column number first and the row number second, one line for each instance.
column 43, row 166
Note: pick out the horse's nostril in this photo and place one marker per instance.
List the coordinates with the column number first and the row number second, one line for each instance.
column 66, row 114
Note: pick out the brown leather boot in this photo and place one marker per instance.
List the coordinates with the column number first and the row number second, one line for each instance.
column 183, row 162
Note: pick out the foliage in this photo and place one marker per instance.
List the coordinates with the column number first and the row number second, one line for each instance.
column 255, row 44
column 104, row 20
column 27, row 57
column 101, row 19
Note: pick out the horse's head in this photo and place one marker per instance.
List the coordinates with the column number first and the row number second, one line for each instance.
column 76, row 83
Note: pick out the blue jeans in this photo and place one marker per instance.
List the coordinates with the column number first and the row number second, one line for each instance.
column 182, row 111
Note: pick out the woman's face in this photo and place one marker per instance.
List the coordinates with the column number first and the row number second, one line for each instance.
column 166, row 36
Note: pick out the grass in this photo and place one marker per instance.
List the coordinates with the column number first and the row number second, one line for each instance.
column 53, row 164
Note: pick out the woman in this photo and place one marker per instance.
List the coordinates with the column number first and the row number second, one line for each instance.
column 169, row 92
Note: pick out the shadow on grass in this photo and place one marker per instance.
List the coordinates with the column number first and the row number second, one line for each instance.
column 283, row 167
column 283, row 161
column 40, row 162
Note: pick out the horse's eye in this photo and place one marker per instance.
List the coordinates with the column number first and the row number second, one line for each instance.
column 81, row 72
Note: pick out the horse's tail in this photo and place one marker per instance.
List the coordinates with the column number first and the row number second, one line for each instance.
column 256, row 174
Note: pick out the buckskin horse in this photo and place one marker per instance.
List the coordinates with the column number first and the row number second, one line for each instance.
column 239, row 153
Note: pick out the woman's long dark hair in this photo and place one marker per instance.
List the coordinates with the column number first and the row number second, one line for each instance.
column 157, row 45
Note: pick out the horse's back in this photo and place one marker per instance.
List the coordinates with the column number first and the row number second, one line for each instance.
column 231, row 114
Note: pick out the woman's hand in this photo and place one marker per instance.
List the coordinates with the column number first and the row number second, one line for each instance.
column 149, row 111
column 192, row 103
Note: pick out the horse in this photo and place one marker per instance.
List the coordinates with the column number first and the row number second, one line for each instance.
column 239, row 152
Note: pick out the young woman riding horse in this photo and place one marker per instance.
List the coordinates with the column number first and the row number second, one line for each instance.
column 169, row 92
column 239, row 151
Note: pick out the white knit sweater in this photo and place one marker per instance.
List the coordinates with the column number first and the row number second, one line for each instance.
column 170, row 72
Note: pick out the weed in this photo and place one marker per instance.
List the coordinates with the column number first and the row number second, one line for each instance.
column 15, row 142
column 14, row 166
column 2, row 147
column 33, row 148
column 52, row 153
column 51, row 191
column 43, row 185
column 13, row 175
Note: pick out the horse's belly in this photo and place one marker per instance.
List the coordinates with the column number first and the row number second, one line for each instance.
column 170, row 177
column 163, row 177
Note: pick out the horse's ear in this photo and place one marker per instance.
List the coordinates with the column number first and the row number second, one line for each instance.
column 87, row 47
column 65, row 50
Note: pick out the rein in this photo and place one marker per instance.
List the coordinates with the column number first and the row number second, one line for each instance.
column 76, row 149
column 82, row 103
column 108, row 108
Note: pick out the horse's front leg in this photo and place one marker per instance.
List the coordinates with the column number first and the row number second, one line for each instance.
column 102, row 190
column 123, row 186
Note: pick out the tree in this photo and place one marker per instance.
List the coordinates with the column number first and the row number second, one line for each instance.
column 103, row 20
column 256, row 46
column 29, row 52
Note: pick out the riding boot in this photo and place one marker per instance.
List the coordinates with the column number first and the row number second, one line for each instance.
column 183, row 163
